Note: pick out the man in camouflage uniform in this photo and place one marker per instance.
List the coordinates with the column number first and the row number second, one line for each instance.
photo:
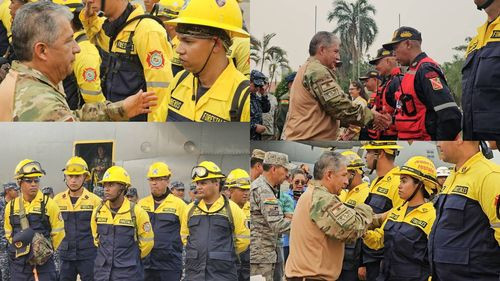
column 282, row 110
column 318, row 106
column 32, row 90
column 322, row 223
column 259, row 104
column 267, row 219
column 10, row 192
column 268, row 118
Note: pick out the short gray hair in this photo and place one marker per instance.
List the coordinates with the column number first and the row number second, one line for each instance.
column 322, row 38
column 328, row 160
column 36, row 22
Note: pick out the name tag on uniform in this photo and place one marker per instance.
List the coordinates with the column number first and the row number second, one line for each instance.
column 86, row 207
column 124, row 221
column 418, row 222
column 63, row 208
column 495, row 34
column 102, row 219
column 145, row 208
column 351, row 202
column 175, row 103
column 382, row 190
column 123, row 45
column 460, row 189
column 168, row 210
column 393, row 216
column 209, row 117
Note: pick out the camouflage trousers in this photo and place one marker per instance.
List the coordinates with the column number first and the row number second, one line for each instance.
column 4, row 264
column 264, row 269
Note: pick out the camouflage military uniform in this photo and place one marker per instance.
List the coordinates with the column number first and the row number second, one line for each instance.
column 4, row 257
column 266, row 225
column 35, row 98
column 336, row 219
column 280, row 115
column 268, row 118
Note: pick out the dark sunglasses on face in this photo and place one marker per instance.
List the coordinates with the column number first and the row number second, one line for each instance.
column 31, row 180
column 297, row 182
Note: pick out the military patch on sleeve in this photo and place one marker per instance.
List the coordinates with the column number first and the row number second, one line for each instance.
column 342, row 217
column 209, row 117
column 461, row 189
column 175, row 103
column 146, row 227
column 495, row 34
column 328, row 89
column 271, row 201
column 89, row 74
column 431, row 74
column 155, row 59
column 436, row 83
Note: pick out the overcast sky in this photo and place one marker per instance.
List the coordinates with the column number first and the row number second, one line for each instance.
column 444, row 24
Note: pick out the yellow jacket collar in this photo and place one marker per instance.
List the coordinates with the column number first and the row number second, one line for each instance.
column 125, row 207
column 215, row 206
column 477, row 157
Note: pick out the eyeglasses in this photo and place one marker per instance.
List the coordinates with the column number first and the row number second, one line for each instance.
column 202, row 172
column 301, row 182
column 31, row 180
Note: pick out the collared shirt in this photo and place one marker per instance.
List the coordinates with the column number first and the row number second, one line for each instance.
column 35, row 207
column 241, row 232
column 213, row 106
column 145, row 235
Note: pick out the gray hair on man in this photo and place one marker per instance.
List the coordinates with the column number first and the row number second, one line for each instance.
column 328, row 160
column 36, row 22
column 322, row 38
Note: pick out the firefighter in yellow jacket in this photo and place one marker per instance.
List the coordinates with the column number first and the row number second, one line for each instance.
column 138, row 50
column 43, row 217
column 404, row 234
column 84, row 84
column 165, row 211
column 210, row 89
column 122, row 231
column 77, row 250
column 168, row 10
column 213, row 229
column 238, row 182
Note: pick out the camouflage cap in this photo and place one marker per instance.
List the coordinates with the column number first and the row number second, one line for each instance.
column 259, row 154
column 277, row 158
column 132, row 191
column 47, row 190
column 177, row 185
column 10, row 185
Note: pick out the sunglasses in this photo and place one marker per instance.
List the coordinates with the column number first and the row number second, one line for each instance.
column 301, row 182
column 31, row 180
column 158, row 179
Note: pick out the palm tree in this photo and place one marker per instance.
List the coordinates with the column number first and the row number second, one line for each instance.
column 277, row 60
column 260, row 49
column 355, row 26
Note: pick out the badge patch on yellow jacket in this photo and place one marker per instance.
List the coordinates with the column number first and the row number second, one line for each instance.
column 495, row 34
column 155, row 59
column 146, row 227
column 209, row 117
column 436, row 83
column 89, row 74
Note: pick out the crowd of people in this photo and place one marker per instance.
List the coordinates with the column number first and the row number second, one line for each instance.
column 96, row 60
column 405, row 97
column 113, row 234
column 411, row 222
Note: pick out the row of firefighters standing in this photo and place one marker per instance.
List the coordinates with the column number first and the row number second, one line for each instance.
column 137, row 51
column 116, row 239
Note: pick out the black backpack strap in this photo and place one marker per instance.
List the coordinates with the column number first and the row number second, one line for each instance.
column 236, row 105
column 229, row 213
column 183, row 76
column 45, row 218
column 134, row 221
column 139, row 17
